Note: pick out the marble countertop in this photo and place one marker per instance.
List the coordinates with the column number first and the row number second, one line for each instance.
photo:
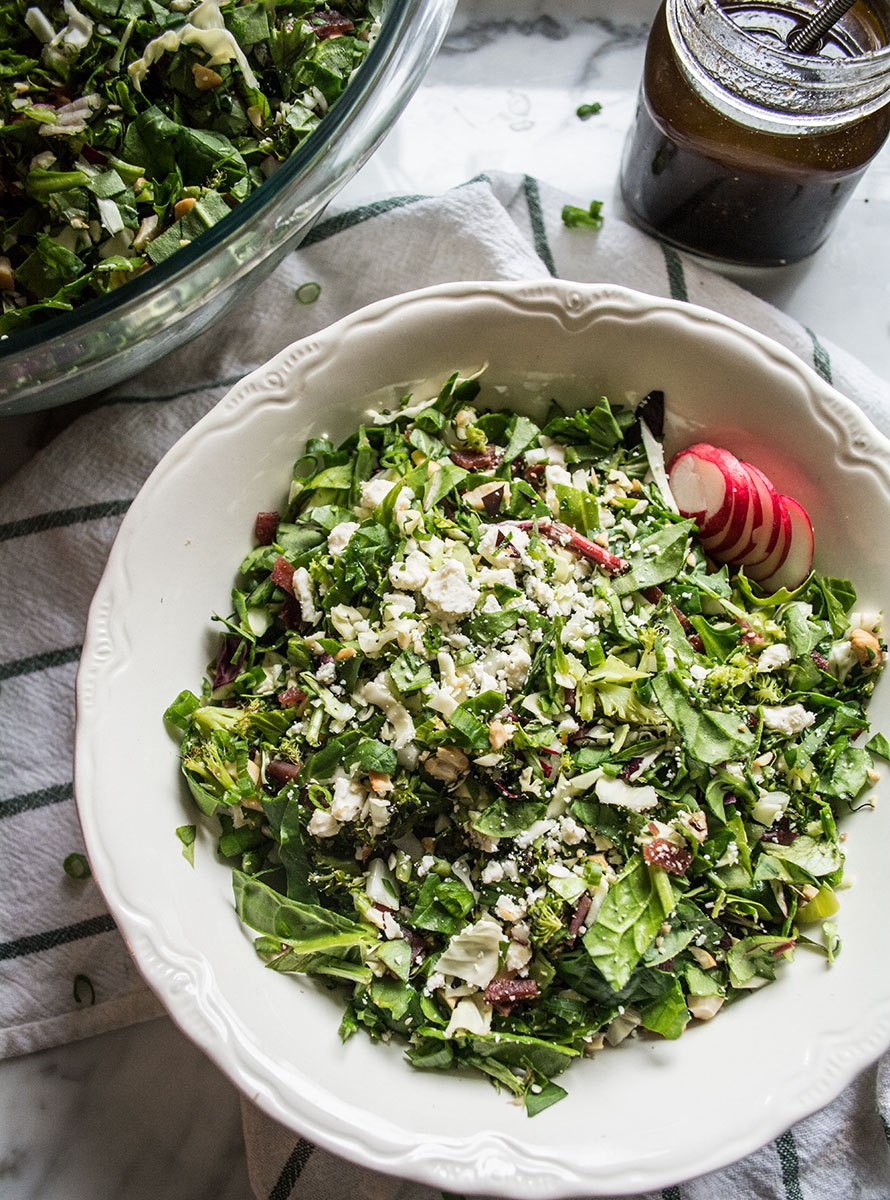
column 140, row 1113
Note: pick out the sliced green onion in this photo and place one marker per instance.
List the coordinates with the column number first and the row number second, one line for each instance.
column 308, row 293
column 83, row 989
column 76, row 866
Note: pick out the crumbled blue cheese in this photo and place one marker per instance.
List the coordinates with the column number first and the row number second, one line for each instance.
column 788, row 719
column 339, row 537
column 509, row 908
column 412, row 573
column 449, row 591
column 323, row 824
column 347, row 797
column 517, row 958
column 305, row 593
column 773, row 657
column 841, row 659
column 375, row 491
column 492, row 872
column 571, row 832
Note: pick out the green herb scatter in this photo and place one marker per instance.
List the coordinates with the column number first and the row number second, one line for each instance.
column 128, row 128
column 492, row 746
column 586, row 111
column 583, row 218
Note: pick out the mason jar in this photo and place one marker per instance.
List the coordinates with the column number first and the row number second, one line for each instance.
column 743, row 151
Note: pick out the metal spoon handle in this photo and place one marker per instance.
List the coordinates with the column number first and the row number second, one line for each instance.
column 807, row 37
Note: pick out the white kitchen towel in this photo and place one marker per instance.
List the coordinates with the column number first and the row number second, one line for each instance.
column 64, row 971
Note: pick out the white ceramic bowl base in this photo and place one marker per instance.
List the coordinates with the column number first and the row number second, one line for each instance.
column 641, row 1116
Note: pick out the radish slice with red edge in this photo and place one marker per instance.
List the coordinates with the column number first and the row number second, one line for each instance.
column 767, row 529
column 735, row 539
column 705, row 482
column 797, row 559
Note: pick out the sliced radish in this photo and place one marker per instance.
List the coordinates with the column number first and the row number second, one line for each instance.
column 697, row 484
column 706, row 482
column 766, row 531
column 779, row 552
column 742, row 520
column 797, row 560
column 746, row 517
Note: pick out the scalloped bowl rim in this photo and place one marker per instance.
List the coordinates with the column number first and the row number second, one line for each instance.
column 499, row 1154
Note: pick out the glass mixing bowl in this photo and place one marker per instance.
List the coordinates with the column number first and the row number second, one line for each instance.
column 114, row 336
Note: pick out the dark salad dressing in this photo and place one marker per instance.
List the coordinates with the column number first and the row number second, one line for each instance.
column 701, row 180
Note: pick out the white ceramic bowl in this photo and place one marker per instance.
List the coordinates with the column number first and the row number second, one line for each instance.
column 643, row 1115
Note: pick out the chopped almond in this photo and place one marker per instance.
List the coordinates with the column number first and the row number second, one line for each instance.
column 205, row 78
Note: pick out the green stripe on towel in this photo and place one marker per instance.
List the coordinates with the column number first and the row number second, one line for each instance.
column 292, row 1170
column 536, row 216
column 61, row 517
column 39, row 662
column 821, row 357
column 787, row 1150
column 28, row 801
column 675, row 273
column 356, row 216
column 36, row 942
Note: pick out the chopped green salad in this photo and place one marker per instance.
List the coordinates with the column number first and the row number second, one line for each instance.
column 128, row 127
column 497, row 752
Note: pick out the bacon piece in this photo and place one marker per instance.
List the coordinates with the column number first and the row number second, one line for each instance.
column 280, row 771
column 476, row 460
column 291, row 613
column 819, row 659
column 333, row 24
column 501, row 991
column 291, row 696
column 283, row 574
column 229, row 661
column 781, row 833
column 667, row 855
column 265, row 527
column 579, row 916
column 628, row 769
column 416, row 942
column 565, row 535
